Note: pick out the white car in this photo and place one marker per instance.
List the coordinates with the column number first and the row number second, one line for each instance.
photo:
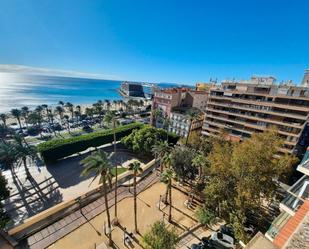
column 223, row 239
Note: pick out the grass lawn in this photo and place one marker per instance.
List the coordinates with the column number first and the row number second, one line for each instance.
column 120, row 170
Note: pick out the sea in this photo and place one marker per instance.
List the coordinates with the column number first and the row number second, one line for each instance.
column 18, row 90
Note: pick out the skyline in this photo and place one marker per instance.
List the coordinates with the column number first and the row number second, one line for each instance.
column 27, row 70
column 158, row 42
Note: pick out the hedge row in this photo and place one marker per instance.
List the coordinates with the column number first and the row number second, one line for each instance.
column 53, row 150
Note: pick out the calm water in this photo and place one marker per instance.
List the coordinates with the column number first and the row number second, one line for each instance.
column 18, row 90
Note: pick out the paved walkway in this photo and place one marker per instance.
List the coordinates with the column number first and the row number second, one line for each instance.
column 61, row 228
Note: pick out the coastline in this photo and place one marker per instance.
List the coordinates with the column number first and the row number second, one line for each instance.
column 113, row 107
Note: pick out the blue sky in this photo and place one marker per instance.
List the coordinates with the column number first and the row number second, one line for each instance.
column 158, row 41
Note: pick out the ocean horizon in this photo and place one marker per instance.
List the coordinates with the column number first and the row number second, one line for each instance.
column 18, row 90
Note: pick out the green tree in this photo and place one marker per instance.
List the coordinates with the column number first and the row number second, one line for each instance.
column 36, row 119
column 16, row 113
column 159, row 150
column 25, row 113
column 206, row 216
column 3, row 118
column 182, row 157
column 70, row 108
column 202, row 164
column 4, row 131
column 67, row 118
column 8, row 155
column 191, row 116
column 155, row 114
column 60, row 111
column 160, row 237
column 4, row 193
column 167, row 178
column 243, row 175
column 142, row 140
column 24, row 151
column 135, row 167
column 110, row 118
column 99, row 164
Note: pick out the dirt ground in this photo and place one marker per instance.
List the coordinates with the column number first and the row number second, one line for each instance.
column 91, row 235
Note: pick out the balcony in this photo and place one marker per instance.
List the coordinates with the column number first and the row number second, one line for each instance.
column 297, row 194
column 264, row 103
column 276, row 225
column 253, row 126
column 304, row 167
column 258, row 118
column 259, row 109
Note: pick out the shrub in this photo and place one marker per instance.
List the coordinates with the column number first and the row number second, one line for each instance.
column 206, row 216
column 142, row 140
column 159, row 236
column 53, row 150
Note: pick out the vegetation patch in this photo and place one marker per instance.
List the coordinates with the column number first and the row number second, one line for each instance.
column 54, row 150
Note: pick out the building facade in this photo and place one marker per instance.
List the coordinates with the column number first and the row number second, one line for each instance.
column 131, row 89
column 290, row 228
column 244, row 107
column 167, row 100
column 180, row 123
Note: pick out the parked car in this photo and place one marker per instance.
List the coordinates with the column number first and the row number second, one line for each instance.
column 228, row 230
column 223, row 239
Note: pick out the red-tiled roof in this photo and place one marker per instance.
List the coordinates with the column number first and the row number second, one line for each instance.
column 289, row 228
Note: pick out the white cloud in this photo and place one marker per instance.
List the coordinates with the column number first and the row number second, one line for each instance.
column 9, row 68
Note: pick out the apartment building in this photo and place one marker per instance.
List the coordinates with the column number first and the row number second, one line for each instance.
column 305, row 81
column 244, row 107
column 166, row 100
column 180, row 122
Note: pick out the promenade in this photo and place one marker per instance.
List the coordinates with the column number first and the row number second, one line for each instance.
column 64, row 226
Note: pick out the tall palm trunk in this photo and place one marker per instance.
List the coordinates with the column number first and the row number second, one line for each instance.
column 135, row 205
column 166, row 194
column 116, row 172
column 110, row 241
column 26, row 168
column 170, row 202
column 187, row 139
column 18, row 120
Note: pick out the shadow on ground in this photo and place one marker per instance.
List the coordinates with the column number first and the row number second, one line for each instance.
column 67, row 171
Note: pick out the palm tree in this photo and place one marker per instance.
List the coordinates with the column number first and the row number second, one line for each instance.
column 192, row 116
column 3, row 118
column 201, row 162
column 39, row 111
column 51, row 116
column 60, row 111
column 44, row 106
column 167, row 177
column 66, row 117
column 70, row 108
column 25, row 113
column 155, row 114
column 111, row 118
column 89, row 112
column 36, row 119
column 16, row 113
column 99, row 164
column 4, row 131
column 135, row 167
column 159, row 150
column 115, row 102
column 23, row 151
column 8, row 155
